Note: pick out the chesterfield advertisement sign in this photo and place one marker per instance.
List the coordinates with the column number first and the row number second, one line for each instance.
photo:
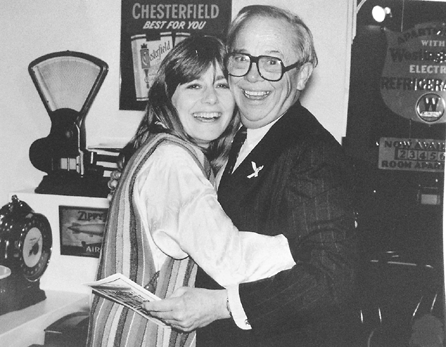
column 151, row 28
column 413, row 82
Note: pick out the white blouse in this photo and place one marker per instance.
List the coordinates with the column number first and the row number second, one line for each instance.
column 182, row 216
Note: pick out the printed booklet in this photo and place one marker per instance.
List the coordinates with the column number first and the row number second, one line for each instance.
column 124, row 291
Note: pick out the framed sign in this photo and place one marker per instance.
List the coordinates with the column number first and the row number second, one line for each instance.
column 81, row 230
column 412, row 83
column 149, row 30
column 410, row 154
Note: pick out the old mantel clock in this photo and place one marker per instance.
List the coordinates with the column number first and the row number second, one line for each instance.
column 25, row 248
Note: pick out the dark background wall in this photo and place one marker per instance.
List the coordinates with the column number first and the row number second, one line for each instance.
column 388, row 201
column 394, row 225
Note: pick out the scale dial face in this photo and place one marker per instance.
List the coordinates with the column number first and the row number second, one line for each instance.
column 35, row 250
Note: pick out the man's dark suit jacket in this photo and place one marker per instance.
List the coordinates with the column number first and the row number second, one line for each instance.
column 303, row 192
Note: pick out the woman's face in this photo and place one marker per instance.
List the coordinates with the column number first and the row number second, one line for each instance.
column 205, row 106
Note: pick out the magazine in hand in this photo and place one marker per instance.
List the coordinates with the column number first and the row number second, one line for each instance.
column 124, row 291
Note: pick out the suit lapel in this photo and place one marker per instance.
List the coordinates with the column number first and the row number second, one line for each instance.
column 267, row 150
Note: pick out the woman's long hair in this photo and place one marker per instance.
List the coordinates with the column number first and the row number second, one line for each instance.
column 186, row 62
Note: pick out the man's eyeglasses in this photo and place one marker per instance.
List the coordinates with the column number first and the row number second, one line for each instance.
column 269, row 68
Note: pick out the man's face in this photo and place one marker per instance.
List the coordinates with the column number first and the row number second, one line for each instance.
column 261, row 101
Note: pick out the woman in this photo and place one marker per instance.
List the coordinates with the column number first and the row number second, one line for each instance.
column 165, row 207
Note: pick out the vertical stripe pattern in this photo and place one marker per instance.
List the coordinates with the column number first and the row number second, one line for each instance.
column 126, row 250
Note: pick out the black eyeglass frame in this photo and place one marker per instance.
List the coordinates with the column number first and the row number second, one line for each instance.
column 253, row 59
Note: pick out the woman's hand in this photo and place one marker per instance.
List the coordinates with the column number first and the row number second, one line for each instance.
column 113, row 183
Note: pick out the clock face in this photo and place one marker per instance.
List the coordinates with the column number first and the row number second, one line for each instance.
column 36, row 245
column 32, row 247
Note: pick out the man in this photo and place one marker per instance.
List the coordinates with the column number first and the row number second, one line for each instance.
column 290, row 178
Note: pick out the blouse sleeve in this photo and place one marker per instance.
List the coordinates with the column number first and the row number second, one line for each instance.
column 179, row 209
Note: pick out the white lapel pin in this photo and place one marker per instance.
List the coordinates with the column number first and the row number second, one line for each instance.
column 256, row 170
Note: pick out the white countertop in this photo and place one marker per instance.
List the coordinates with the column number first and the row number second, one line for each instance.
column 26, row 327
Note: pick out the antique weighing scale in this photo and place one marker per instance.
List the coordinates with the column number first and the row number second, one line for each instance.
column 25, row 249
